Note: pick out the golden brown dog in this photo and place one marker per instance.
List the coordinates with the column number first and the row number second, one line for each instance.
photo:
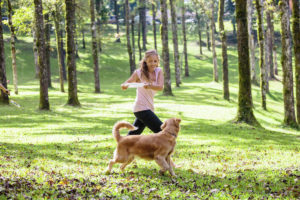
column 158, row 147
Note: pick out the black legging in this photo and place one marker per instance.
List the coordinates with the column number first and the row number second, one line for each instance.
column 146, row 118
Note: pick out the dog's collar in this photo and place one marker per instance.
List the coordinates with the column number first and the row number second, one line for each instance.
column 173, row 134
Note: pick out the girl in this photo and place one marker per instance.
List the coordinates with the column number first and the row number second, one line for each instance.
column 152, row 76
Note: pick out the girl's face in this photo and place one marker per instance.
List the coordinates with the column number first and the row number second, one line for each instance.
column 152, row 62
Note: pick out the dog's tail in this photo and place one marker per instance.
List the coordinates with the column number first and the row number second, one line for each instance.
column 121, row 125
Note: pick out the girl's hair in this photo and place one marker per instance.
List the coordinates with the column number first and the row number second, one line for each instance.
column 143, row 64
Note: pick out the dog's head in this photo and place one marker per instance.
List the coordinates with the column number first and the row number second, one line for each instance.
column 172, row 125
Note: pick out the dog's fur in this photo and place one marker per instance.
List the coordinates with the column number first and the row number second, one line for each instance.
column 158, row 147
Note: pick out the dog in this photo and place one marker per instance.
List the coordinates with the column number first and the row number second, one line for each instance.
column 158, row 146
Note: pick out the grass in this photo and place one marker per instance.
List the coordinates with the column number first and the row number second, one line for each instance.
column 63, row 153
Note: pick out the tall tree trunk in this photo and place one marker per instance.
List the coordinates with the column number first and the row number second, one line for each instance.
column 274, row 47
column 35, row 54
column 245, row 113
column 213, row 43
column 224, row 51
column 133, row 40
column 165, row 48
column 260, row 33
column 186, row 64
column 270, row 44
column 83, row 39
column 207, row 37
column 117, row 17
column 47, row 50
column 139, row 39
column 175, row 43
column 296, row 39
column 129, row 49
column 71, row 57
column 40, row 35
column 13, row 46
column 95, row 46
column 154, row 24
column 199, row 31
column 98, row 8
column 142, row 20
column 63, row 55
column 251, row 42
column 57, row 19
column 4, row 99
column 286, row 62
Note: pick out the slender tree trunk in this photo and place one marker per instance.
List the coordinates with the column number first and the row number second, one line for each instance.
column 139, row 39
column 117, row 17
column 186, row 64
column 260, row 33
column 274, row 47
column 83, row 39
column 4, row 99
column 129, row 49
column 40, row 34
column 224, row 51
column 13, row 47
column 165, row 48
column 47, row 50
column 63, row 55
column 98, row 8
column 213, row 43
column 71, row 57
column 175, row 43
column 35, row 54
column 296, row 39
column 95, row 46
column 251, row 43
column 133, row 40
column 199, row 32
column 207, row 36
column 245, row 113
column 57, row 20
column 270, row 44
column 154, row 24
column 286, row 62
column 142, row 20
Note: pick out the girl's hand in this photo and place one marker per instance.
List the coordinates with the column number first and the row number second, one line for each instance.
column 124, row 86
column 148, row 86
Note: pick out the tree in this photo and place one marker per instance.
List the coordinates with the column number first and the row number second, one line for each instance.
column 154, row 10
column 133, row 40
column 165, row 48
column 270, row 42
column 245, row 113
column 186, row 64
column 95, row 46
column 175, row 42
column 296, row 39
column 286, row 62
column 213, row 42
column 117, row 19
column 142, row 20
column 40, row 35
column 260, row 33
column 71, row 57
column 13, row 46
column 48, row 47
column 129, row 49
column 224, row 51
column 4, row 99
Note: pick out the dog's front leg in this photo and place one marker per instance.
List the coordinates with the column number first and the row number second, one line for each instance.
column 161, row 161
column 171, row 164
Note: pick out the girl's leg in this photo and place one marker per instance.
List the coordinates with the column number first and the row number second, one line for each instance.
column 149, row 119
column 140, row 125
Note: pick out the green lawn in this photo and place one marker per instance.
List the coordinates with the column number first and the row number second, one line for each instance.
column 63, row 153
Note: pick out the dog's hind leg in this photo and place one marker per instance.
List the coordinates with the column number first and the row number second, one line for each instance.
column 171, row 164
column 131, row 158
column 117, row 159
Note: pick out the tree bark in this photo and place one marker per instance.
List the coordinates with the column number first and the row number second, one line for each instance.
column 98, row 8
column 286, row 62
column 251, row 42
column 245, row 113
column 83, row 39
column 175, row 43
column 57, row 19
column 296, row 39
column 139, row 39
column 13, row 46
column 260, row 33
column 117, row 17
column 165, row 48
column 4, row 99
column 207, row 37
column 154, row 9
column 40, row 35
column 142, row 19
column 35, row 54
column 133, row 40
column 199, row 32
column 270, row 44
column 224, row 51
column 71, row 57
column 47, row 50
column 129, row 49
column 186, row 64
column 213, row 43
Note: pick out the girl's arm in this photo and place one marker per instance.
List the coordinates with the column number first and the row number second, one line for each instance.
column 159, row 85
column 6, row 91
column 133, row 78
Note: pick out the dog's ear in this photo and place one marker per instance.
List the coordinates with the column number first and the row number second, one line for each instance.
column 177, row 120
column 163, row 125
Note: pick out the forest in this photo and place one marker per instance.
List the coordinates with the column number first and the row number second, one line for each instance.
column 231, row 71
